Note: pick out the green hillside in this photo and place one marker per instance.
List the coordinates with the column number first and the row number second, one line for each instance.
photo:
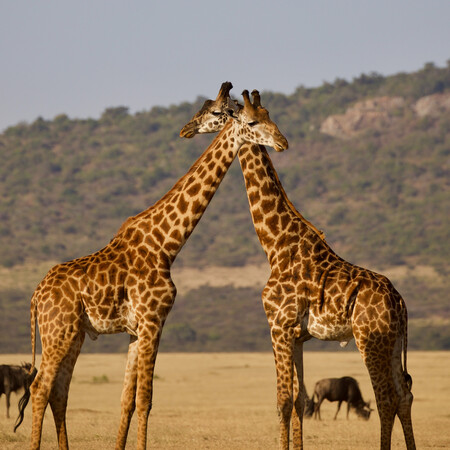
column 381, row 194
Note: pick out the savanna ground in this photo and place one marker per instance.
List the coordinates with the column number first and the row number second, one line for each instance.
column 227, row 401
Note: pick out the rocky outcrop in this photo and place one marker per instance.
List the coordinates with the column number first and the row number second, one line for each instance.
column 374, row 113
column 379, row 113
column 432, row 105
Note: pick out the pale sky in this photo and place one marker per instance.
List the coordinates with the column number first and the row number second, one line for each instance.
column 80, row 57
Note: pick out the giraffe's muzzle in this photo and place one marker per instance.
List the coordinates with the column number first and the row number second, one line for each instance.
column 188, row 131
column 281, row 144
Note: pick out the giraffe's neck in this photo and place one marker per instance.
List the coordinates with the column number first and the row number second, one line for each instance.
column 165, row 226
column 278, row 224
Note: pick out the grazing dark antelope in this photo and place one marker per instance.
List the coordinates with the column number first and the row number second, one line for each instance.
column 345, row 389
column 14, row 378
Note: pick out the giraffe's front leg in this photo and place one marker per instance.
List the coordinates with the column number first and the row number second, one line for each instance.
column 128, row 399
column 147, row 350
column 283, row 351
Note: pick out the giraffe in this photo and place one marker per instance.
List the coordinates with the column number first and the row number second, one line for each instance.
column 314, row 293
column 127, row 286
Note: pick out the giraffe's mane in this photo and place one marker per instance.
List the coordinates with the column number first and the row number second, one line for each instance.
column 311, row 226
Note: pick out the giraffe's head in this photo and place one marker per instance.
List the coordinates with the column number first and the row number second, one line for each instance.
column 252, row 120
column 212, row 116
column 255, row 124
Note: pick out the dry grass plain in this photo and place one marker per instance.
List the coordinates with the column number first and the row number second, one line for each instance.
column 227, row 401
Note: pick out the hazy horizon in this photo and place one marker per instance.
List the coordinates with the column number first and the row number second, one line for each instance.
column 81, row 58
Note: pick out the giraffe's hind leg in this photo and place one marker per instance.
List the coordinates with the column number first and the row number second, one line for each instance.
column 60, row 391
column 299, row 397
column 403, row 384
column 404, row 414
column 61, row 355
column 386, row 397
column 40, row 392
column 380, row 359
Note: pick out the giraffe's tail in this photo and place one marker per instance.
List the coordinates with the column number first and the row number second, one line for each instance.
column 406, row 375
column 23, row 402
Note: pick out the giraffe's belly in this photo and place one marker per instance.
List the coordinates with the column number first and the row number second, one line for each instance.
column 328, row 327
column 95, row 324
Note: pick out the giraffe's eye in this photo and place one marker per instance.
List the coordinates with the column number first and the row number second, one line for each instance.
column 252, row 124
column 216, row 113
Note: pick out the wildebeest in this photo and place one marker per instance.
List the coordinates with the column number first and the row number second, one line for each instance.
column 13, row 378
column 345, row 389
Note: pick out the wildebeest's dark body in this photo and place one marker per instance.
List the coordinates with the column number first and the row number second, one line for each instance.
column 12, row 379
column 345, row 389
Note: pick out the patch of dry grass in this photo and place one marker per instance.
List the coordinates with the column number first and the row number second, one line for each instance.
column 228, row 401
